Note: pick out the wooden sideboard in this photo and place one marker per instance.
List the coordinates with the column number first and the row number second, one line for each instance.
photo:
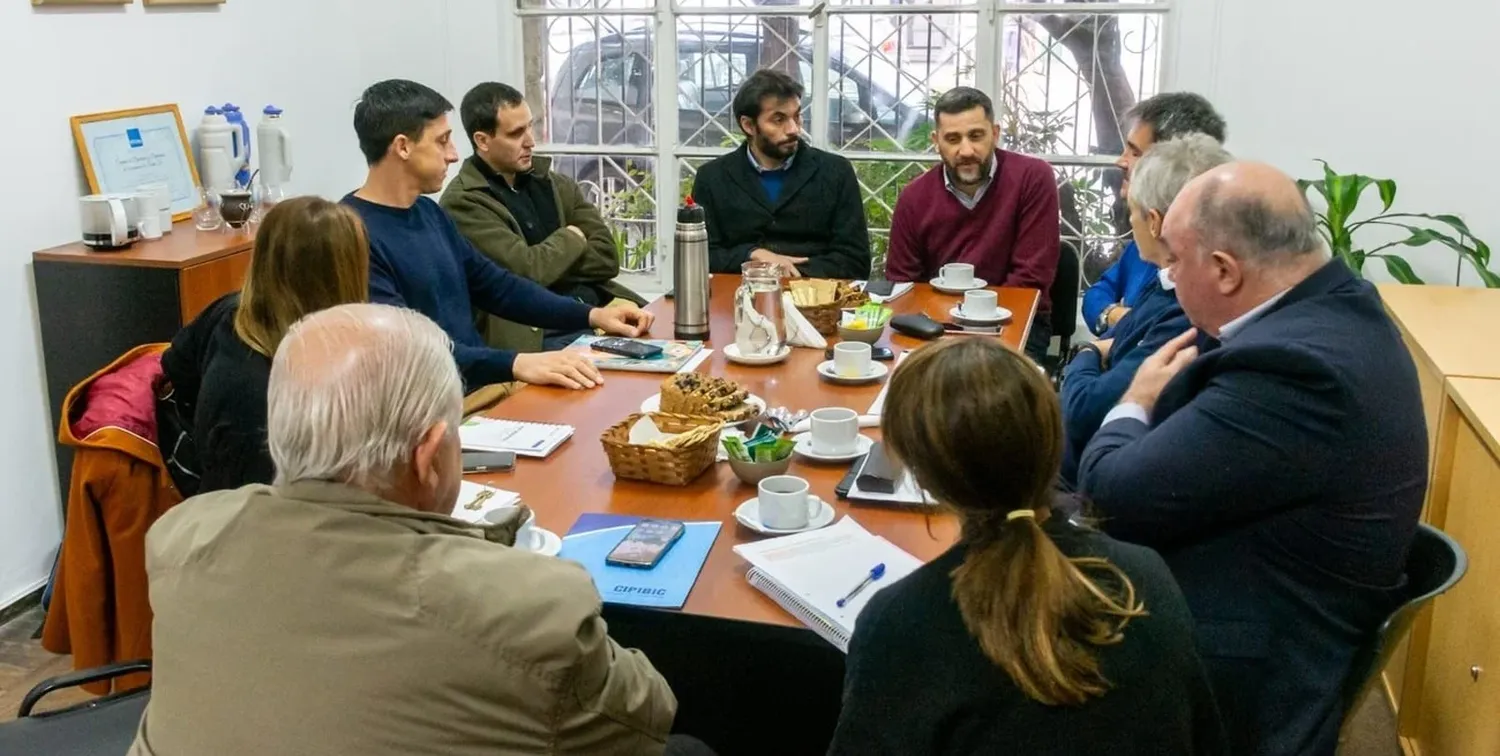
column 94, row 306
column 1441, row 681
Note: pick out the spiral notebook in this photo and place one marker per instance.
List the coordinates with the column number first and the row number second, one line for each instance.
column 808, row 573
column 526, row 439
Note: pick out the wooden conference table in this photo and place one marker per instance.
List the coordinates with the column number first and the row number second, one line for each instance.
column 576, row 478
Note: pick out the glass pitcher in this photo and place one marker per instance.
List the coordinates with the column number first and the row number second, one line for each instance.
column 759, row 323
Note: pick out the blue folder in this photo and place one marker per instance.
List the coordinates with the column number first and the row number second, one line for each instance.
column 664, row 586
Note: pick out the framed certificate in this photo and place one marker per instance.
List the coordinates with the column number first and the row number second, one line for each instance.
column 124, row 149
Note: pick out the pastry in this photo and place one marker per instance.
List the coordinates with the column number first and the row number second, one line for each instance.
column 697, row 394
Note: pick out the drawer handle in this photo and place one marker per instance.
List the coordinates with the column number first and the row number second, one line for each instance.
column 1475, row 671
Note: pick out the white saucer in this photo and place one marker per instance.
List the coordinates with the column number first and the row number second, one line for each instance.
column 940, row 285
column 803, row 447
column 1001, row 315
column 653, row 402
column 877, row 371
column 748, row 514
column 732, row 352
column 543, row 541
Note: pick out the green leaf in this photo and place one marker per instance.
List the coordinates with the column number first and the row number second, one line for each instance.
column 1400, row 270
column 1387, row 193
column 1351, row 188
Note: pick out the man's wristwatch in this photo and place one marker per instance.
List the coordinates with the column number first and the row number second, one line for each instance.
column 1103, row 324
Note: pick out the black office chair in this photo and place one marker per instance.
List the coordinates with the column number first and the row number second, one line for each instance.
column 104, row 726
column 1435, row 564
column 1064, row 295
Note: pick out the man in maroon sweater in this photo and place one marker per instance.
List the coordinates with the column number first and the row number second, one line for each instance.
column 994, row 209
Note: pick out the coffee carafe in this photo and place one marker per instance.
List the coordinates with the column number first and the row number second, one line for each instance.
column 110, row 221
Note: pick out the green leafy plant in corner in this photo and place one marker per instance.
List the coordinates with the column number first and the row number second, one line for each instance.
column 1341, row 194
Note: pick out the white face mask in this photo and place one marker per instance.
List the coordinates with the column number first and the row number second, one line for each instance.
column 1165, row 276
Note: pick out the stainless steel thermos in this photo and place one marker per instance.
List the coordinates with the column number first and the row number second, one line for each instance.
column 690, row 273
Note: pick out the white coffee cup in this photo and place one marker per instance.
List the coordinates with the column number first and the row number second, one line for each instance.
column 150, row 223
column 157, row 196
column 785, row 503
column 851, row 359
column 526, row 535
column 835, row 430
column 958, row 274
column 983, row 304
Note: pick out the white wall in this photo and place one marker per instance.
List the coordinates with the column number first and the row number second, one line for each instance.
column 1392, row 89
column 66, row 61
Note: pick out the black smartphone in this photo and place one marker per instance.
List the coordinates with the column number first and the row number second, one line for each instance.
column 876, row 353
column 646, row 544
column 488, row 461
column 880, row 288
column 631, row 348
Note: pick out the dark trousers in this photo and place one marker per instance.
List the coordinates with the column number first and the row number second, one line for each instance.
column 686, row 745
column 553, row 341
column 1040, row 338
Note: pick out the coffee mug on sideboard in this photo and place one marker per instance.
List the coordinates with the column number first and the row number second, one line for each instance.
column 109, row 221
column 158, row 195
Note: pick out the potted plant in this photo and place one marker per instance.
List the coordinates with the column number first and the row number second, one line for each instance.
column 1341, row 194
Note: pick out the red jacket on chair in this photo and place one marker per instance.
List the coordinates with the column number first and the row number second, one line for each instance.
column 101, row 611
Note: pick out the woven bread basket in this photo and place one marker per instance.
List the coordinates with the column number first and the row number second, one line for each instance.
column 675, row 464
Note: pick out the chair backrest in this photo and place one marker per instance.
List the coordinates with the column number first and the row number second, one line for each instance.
column 1434, row 565
column 1064, row 294
column 1068, row 283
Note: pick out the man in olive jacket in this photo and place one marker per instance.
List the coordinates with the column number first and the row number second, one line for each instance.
column 535, row 223
column 343, row 611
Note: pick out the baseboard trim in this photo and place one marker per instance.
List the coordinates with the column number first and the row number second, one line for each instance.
column 22, row 605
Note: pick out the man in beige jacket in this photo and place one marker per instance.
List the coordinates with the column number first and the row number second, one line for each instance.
column 341, row 611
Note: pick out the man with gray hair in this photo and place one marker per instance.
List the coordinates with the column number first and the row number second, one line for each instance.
column 1280, row 473
column 342, row 611
column 1098, row 373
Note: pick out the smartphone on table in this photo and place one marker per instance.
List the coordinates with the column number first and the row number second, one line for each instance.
column 876, row 353
column 488, row 461
column 627, row 348
column 646, row 543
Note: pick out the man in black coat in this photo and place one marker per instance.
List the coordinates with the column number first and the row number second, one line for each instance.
column 777, row 198
column 1282, row 472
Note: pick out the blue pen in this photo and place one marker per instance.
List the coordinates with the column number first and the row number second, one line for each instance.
column 876, row 573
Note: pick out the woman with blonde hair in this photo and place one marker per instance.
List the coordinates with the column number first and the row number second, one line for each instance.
column 310, row 254
column 1032, row 634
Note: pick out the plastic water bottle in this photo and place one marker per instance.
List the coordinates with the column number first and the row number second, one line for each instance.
column 690, row 273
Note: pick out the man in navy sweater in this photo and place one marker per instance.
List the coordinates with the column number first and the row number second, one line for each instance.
column 1281, row 473
column 419, row 260
column 1100, row 372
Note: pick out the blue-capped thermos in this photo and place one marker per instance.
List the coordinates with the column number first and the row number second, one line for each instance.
column 690, row 273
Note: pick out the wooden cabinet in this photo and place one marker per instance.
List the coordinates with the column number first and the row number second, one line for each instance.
column 1459, row 684
column 94, row 306
column 1440, row 709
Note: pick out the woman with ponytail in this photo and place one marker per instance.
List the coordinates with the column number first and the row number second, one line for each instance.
column 1032, row 635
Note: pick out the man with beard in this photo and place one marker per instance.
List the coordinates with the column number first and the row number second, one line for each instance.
column 778, row 199
column 993, row 209
column 419, row 260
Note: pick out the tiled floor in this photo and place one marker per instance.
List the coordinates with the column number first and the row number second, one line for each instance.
column 24, row 663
